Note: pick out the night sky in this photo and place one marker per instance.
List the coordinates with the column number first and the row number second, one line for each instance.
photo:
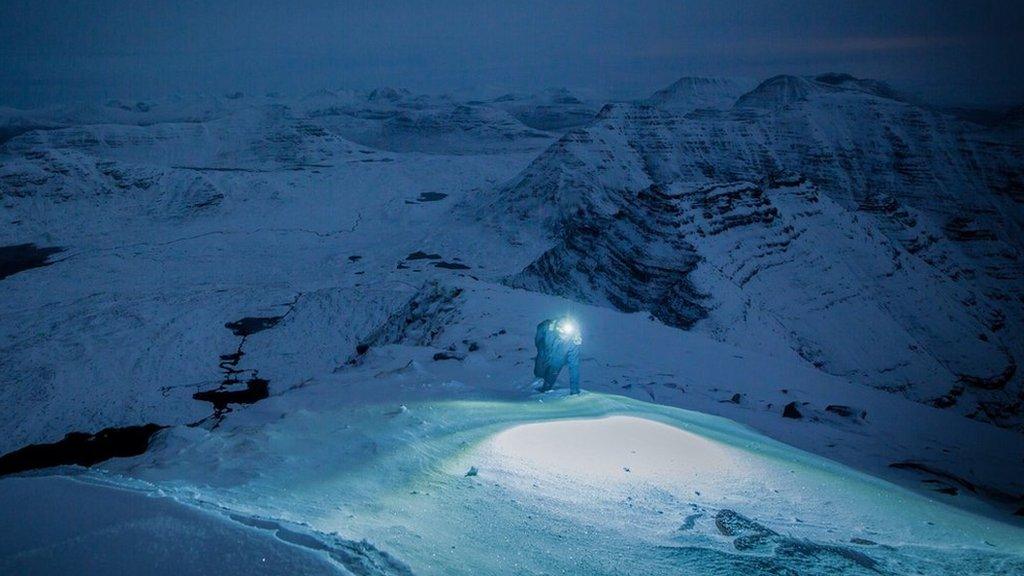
column 964, row 52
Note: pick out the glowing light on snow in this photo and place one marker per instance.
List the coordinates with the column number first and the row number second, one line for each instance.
column 614, row 449
column 587, row 469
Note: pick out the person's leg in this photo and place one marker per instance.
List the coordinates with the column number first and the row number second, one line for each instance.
column 551, row 376
column 573, row 360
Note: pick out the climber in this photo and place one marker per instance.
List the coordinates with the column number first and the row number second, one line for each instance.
column 558, row 343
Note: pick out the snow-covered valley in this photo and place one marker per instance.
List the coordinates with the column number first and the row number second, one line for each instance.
column 801, row 304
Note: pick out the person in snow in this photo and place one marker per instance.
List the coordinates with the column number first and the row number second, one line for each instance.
column 558, row 343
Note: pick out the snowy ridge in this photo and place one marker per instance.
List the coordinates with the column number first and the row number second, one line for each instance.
column 695, row 93
column 384, row 118
column 923, row 202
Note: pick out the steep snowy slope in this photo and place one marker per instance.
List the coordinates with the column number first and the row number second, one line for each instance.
column 897, row 263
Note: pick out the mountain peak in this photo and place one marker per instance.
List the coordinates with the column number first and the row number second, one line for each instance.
column 777, row 92
column 693, row 92
column 388, row 93
column 784, row 90
column 843, row 80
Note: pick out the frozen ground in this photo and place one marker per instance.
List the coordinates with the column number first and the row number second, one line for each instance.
column 597, row 484
column 354, row 282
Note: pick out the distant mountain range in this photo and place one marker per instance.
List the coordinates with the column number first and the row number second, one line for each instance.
column 825, row 219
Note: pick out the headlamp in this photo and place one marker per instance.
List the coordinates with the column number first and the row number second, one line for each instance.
column 567, row 329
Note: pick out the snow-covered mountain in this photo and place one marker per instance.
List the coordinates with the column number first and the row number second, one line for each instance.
column 551, row 110
column 694, row 93
column 302, row 329
column 878, row 240
column 384, row 118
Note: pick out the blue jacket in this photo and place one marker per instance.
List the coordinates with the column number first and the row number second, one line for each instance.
column 554, row 351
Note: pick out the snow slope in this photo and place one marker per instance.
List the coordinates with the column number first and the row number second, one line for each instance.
column 61, row 526
column 330, row 303
column 649, row 488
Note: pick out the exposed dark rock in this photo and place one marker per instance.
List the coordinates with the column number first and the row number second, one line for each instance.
column 420, row 321
column 355, row 258
column 420, row 255
column 732, row 523
column 791, row 411
column 727, row 207
column 749, row 534
column 996, row 382
column 253, row 324
column 431, row 196
column 846, row 411
column 362, row 348
column 753, row 536
column 963, row 229
column 448, row 356
column 839, row 409
column 948, row 399
column 636, row 259
column 909, row 465
column 81, row 448
column 451, row 265
column 20, row 257
column 256, row 389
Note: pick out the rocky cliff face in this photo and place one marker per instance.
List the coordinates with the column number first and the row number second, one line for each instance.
column 819, row 216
